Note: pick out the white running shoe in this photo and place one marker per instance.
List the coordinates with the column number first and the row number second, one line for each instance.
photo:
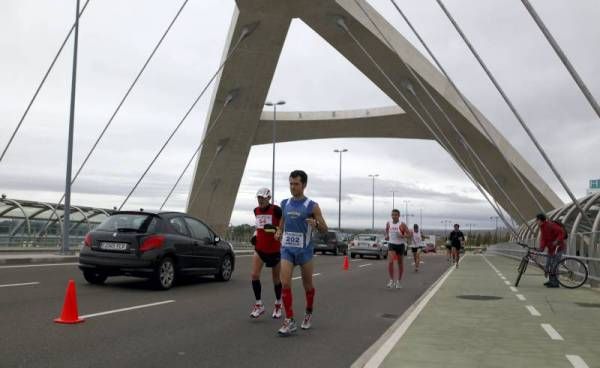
column 277, row 311
column 398, row 285
column 257, row 310
column 306, row 322
column 288, row 327
column 390, row 284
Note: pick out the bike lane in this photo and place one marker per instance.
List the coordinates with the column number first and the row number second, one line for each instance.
column 478, row 318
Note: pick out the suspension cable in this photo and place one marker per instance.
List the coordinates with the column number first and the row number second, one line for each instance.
column 125, row 96
column 39, row 87
column 561, row 55
column 449, row 148
column 232, row 95
column 245, row 32
column 514, row 111
column 470, row 151
column 468, row 105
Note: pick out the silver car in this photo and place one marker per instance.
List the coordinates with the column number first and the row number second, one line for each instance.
column 368, row 245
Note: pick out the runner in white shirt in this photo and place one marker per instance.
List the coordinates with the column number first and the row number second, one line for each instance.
column 397, row 235
column 417, row 244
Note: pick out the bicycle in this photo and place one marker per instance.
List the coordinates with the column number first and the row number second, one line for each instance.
column 571, row 272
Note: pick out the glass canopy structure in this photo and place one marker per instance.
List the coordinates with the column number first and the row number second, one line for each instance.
column 39, row 224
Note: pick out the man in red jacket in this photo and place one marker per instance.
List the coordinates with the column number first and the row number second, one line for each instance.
column 552, row 238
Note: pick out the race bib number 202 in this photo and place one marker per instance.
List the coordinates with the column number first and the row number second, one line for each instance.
column 293, row 240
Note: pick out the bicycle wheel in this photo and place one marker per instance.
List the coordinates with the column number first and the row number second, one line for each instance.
column 571, row 273
column 521, row 269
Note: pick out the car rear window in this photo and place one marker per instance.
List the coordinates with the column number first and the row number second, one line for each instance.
column 128, row 222
column 367, row 237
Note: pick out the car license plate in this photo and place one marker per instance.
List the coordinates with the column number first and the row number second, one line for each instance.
column 113, row 246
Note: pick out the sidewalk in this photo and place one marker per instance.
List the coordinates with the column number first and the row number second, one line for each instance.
column 476, row 319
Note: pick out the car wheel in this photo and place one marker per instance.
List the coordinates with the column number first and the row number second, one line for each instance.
column 226, row 269
column 385, row 255
column 352, row 255
column 379, row 255
column 164, row 274
column 93, row 277
column 361, row 256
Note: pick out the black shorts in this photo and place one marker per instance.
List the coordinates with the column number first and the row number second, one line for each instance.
column 414, row 250
column 269, row 259
column 400, row 249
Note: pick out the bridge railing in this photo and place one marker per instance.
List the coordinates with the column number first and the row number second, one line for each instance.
column 584, row 246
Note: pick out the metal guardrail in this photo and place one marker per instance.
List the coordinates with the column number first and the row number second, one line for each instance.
column 588, row 254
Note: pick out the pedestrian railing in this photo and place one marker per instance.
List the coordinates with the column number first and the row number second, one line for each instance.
column 584, row 246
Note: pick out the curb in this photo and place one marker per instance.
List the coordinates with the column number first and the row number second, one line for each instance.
column 65, row 259
column 38, row 260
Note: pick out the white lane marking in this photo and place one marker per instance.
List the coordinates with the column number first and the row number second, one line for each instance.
column 355, row 260
column 507, row 282
column 576, row 361
column 514, row 289
column 21, row 284
column 554, row 335
column 365, row 265
column 376, row 359
column 503, row 278
column 534, row 312
column 126, row 309
column 40, row 265
column 299, row 277
column 521, row 297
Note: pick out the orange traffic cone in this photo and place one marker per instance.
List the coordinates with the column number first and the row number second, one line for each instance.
column 346, row 263
column 69, row 314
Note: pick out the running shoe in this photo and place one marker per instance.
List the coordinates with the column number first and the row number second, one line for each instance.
column 390, row 284
column 398, row 285
column 257, row 310
column 277, row 311
column 306, row 322
column 288, row 327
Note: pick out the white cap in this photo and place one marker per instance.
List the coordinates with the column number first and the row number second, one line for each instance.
column 264, row 192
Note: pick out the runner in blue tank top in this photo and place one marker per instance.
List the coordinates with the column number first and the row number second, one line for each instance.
column 301, row 216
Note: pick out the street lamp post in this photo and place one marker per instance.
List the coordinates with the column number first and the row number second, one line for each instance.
column 393, row 199
column 340, row 151
column 496, row 227
column 406, row 202
column 373, row 176
column 279, row 103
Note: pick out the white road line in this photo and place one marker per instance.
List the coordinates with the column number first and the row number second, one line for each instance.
column 40, row 265
column 503, row 278
column 576, row 361
column 534, row 312
column 507, row 282
column 521, row 297
column 22, row 284
column 365, row 265
column 514, row 289
column 126, row 309
column 384, row 349
column 299, row 277
column 554, row 335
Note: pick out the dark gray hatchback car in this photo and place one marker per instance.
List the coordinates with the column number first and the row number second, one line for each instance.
column 159, row 246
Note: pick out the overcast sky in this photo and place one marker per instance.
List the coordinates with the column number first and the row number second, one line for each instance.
column 117, row 36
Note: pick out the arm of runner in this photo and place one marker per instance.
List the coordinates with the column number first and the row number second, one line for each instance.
column 279, row 231
column 317, row 221
column 387, row 231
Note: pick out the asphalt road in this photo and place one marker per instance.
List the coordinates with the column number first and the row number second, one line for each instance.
column 206, row 325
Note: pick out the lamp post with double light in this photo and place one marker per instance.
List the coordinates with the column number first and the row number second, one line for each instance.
column 279, row 103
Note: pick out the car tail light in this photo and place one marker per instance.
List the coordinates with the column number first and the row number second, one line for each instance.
column 374, row 245
column 334, row 241
column 152, row 242
column 87, row 241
